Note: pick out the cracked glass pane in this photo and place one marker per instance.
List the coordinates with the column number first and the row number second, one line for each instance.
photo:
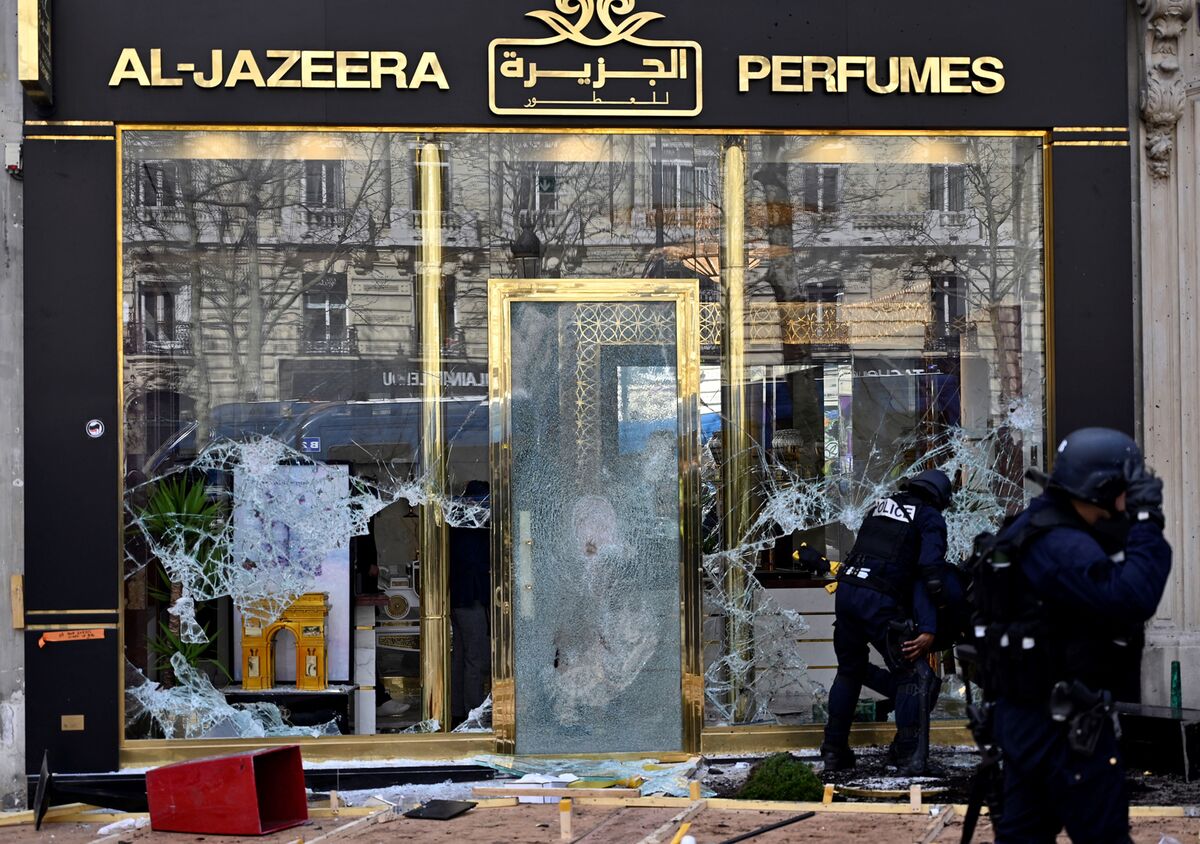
column 273, row 413
column 595, row 526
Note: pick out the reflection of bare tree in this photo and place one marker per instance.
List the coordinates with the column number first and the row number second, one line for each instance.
column 248, row 235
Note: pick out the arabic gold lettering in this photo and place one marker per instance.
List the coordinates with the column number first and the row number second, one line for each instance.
column 514, row 66
column 532, row 78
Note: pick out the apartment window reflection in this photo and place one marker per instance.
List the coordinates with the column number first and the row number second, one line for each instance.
column 949, row 305
column 157, row 191
column 947, row 187
column 324, row 190
column 536, row 190
column 820, row 187
column 326, row 329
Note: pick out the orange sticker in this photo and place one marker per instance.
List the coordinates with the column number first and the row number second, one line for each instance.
column 69, row 636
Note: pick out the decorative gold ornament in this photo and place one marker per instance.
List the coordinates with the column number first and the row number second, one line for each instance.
column 306, row 619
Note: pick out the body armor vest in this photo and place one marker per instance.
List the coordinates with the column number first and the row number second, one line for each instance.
column 886, row 547
column 1023, row 642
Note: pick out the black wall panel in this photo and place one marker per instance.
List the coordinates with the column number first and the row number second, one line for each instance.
column 72, row 679
column 1093, row 289
column 72, row 498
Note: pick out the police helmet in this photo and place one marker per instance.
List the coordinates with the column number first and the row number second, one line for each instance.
column 934, row 486
column 1092, row 463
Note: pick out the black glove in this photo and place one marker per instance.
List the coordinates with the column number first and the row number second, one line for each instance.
column 1143, row 495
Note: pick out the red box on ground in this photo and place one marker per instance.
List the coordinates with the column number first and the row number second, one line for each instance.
column 244, row 794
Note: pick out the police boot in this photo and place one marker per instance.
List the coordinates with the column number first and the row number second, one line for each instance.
column 836, row 758
column 908, row 753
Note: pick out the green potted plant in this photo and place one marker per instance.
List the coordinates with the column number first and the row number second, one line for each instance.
column 181, row 516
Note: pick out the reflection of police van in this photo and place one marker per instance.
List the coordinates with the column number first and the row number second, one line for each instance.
column 387, row 430
column 383, row 431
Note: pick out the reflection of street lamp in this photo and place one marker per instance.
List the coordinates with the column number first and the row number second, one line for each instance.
column 527, row 252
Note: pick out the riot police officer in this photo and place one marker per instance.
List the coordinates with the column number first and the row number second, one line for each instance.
column 1081, row 570
column 883, row 600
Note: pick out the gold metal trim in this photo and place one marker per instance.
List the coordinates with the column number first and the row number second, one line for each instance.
column 119, row 152
column 1091, row 128
column 1048, row 300
column 70, row 137
column 589, row 130
column 435, row 576
column 735, row 434
column 149, row 753
column 71, row 612
column 1090, row 143
column 767, row 738
column 685, row 294
column 69, row 123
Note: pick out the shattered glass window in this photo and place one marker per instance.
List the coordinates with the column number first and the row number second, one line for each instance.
column 885, row 335
column 273, row 412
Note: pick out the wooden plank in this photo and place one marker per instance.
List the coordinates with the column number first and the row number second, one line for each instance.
column 939, row 824
column 596, row 830
column 340, row 831
column 55, row 813
column 16, row 595
column 636, row 802
column 530, row 791
column 668, row 829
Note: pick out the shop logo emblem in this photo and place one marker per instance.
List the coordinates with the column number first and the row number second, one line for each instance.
column 595, row 65
column 94, row 429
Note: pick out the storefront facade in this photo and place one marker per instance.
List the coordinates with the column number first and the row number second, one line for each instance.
column 494, row 378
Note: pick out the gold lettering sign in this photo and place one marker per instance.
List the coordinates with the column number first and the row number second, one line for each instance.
column 896, row 74
column 612, row 73
column 281, row 69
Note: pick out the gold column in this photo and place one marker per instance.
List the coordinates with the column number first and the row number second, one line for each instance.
column 735, row 433
column 435, row 580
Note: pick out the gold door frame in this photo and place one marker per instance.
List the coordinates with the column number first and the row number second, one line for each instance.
column 686, row 296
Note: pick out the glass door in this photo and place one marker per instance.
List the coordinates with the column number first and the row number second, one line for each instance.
column 594, row 428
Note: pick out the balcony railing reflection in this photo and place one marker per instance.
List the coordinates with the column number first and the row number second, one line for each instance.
column 176, row 341
column 347, row 345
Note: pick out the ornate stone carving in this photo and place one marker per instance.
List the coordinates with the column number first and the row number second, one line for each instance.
column 1162, row 90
